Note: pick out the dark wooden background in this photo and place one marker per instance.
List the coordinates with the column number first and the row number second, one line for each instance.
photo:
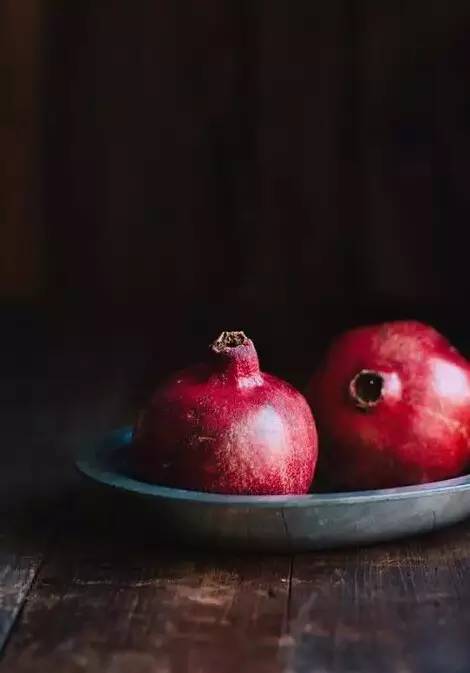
column 287, row 168
column 172, row 169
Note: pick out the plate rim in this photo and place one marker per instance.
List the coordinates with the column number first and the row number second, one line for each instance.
column 92, row 466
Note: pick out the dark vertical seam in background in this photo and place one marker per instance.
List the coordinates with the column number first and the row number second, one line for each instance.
column 246, row 99
column 64, row 29
column 56, row 58
column 351, row 179
column 235, row 156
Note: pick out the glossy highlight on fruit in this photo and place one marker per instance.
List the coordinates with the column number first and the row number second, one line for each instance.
column 224, row 426
column 392, row 404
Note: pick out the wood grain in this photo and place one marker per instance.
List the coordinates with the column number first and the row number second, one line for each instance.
column 130, row 609
column 18, row 568
column 394, row 608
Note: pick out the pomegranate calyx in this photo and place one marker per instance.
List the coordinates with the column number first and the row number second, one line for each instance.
column 234, row 356
column 229, row 340
column 366, row 389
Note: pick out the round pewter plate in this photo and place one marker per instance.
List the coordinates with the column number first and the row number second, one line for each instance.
column 281, row 523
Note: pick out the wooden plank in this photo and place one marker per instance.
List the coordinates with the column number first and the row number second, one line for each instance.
column 151, row 130
column 127, row 607
column 21, row 237
column 392, row 608
column 18, row 567
column 198, row 154
column 291, row 212
column 406, row 65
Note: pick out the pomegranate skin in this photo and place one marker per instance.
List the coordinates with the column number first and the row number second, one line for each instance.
column 392, row 404
column 223, row 426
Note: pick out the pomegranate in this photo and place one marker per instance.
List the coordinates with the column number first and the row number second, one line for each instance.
column 392, row 403
column 224, row 426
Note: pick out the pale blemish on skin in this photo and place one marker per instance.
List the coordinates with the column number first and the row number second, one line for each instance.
column 450, row 380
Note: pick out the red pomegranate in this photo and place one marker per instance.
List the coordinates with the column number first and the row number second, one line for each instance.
column 224, row 426
column 392, row 404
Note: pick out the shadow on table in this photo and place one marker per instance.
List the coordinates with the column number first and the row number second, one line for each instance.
column 83, row 517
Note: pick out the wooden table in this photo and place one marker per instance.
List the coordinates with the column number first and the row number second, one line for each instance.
column 85, row 586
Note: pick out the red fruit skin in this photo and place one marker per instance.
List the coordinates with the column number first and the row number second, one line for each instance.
column 417, row 432
column 225, row 427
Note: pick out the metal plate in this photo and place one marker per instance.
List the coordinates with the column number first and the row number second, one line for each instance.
column 282, row 523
